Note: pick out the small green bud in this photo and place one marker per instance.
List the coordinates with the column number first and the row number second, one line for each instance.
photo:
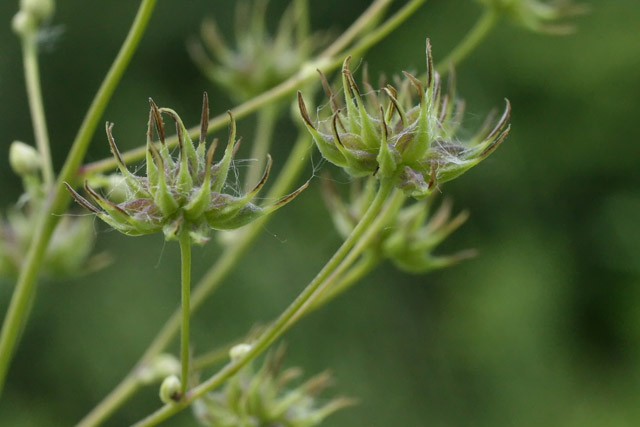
column 24, row 23
column 170, row 390
column 40, row 9
column 24, row 159
column 238, row 351
column 162, row 366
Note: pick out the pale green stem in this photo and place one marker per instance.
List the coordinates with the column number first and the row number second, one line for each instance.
column 471, row 40
column 282, row 323
column 34, row 93
column 305, row 75
column 266, row 121
column 185, row 283
column 25, row 287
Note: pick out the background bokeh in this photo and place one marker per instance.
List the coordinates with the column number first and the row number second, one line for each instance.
column 543, row 328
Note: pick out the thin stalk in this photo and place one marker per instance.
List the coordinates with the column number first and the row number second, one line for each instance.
column 304, row 76
column 185, row 283
column 281, row 324
column 48, row 219
column 266, row 121
column 471, row 40
column 34, row 93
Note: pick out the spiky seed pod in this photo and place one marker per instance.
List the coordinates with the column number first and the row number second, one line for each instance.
column 264, row 398
column 539, row 16
column 178, row 195
column 389, row 136
column 411, row 233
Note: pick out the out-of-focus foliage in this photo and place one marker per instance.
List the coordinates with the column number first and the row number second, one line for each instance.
column 542, row 328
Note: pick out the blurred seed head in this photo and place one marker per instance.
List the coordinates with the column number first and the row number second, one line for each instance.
column 265, row 398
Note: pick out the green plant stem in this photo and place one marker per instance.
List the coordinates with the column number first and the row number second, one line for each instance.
column 205, row 287
column 364, row 21
column 48, row 219
column 471, row 40
column 185, row 284
column 266, row 120
column 283, row 321
column 34, row 93
column 304, row 76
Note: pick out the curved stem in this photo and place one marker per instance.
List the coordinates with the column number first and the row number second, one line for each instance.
column 471, row 40
column 34, row 93
column 282, row 323
column 48, row 218
column 185, row 283
column 304, row 76
column 266, row 120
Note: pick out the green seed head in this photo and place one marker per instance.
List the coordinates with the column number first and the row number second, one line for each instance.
column 387, row 134
column 183, row 194
column 538, row 15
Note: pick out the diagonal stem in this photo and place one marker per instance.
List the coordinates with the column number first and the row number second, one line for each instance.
column 283, row 322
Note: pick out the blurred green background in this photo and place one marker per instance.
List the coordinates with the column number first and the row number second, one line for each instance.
column 543, row 328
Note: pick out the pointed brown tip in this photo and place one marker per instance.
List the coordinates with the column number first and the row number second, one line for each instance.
column 303, row 111
column 81, row 200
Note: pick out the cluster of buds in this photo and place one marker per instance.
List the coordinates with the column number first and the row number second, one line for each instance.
column 413, row 145
column 260, row 60
column 409, row 236
column 71, row 244
column 179, row 195
column 262, row 398
column 538, row 16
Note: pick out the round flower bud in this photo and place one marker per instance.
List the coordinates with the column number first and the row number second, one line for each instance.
column 23, row 23
column 170, row 390
column 24, row 159
column 39, row 9
column 239, row 351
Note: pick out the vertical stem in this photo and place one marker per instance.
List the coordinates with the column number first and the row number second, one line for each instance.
column 48, row 218
column 34, row 93
column 185, row 280
column 266, row 120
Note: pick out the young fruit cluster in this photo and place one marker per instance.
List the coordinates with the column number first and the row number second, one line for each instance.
column 183, row 195
column 415, row 145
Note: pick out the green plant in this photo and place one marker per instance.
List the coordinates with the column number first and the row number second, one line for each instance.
column 400, row 139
